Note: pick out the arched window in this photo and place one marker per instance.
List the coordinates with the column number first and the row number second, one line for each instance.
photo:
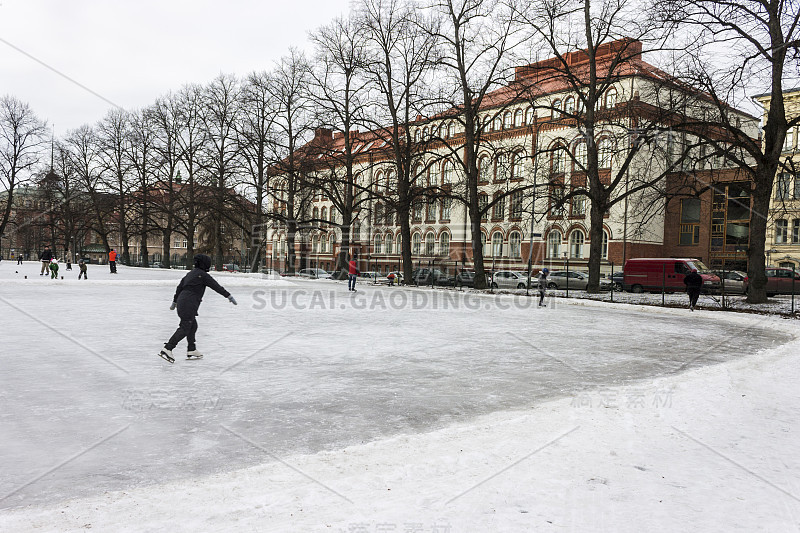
column 324, row 213
column 581, row 160
column 444, row 243
column 433, row 175
column 507, row 120
column 529, row 116
column 611, row 97
column 315, row 216
column 556, row 113
column 378, row 214
column 483, row 201
column 605, row 151
column 378, row 246
column 515, row 244
column 430, row 243
column 557, row 159
column 569, row 106
column 518, row 169
column 356, row 230
column 519, row 118
column 416, row 244
column 389, row 243
column 314, row 241
column 448, row 172
column 498, row 123
column 554, row 244
column 323, row 243
column 483, row 241
column 498, row 209
column 451, row 129
column 333, row 216
column 425, row 134
column 497, row 244
column 604, row 249
column 391, row 182
column 485, row 169
column 576, row 239
column 399, row 243
column 416, row 135
column 377, row 184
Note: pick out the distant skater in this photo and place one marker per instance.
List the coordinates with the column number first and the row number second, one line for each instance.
column 53, row 269
column 187, row 299
column 69, row 262
column 694, row 284
column 352, row 273
column 112, row 261
column 19, row 259
column 82, row 267
column 542, row 286
column 45, row 258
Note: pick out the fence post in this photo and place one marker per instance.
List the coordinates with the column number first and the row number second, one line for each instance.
column 663, row 285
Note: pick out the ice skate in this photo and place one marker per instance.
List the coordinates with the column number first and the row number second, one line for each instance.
column 193, row 354
column 166, row 355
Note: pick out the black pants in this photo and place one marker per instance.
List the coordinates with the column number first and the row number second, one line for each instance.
column 82, row 273
column 541, row 297
column 113, row 265
column 694, row 294
column 187, row 328
column 19, row 260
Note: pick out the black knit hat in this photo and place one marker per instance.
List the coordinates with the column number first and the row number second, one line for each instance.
column 202, row 261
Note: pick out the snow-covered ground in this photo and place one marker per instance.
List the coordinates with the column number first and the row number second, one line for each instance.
column 389, row 409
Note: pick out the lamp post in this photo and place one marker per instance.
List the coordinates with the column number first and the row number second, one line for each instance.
column 566, row 264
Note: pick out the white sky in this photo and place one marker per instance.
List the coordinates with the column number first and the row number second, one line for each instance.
column 130, row 52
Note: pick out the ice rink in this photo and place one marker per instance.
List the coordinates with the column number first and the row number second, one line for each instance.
column 295, row 368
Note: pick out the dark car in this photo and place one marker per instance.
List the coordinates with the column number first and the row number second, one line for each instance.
column 779, row 281
column 618, row 279
column 427, row 276
column 465, row 278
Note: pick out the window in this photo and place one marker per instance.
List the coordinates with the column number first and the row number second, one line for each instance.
column 604, row 248
column 447, row 173
column 324, row 213
column 389, row 243
column 576, row 239
column 315, row 216
column 314, row 244
column 579, row 205
column 788, row 141
column 451, row 129
column 430, row 210
column 399, row 243
column 515, row 244
column 498, row 123
column 556, row 112
column 580, row 157
column 416, row 213
column 557, row 160
column 485, row 169
column 529, row 116
column 444, row 243
column 416, row 135
column 378, row 214
column 783, row 186
column 557, row 200
column 483, row 241
column 569, row 106
column 323, row 244
column 502, row 171
column 483, row 201
column 554, row 244
column 507, row 120
column 690, row 221
column 795, row 231
column 605, row 150
column 446, row 208
column 430, row 243
column 498, row 211
column 518, row 168
column 497, row 244
column 388, row 217
column 378, row 244
column 416, row 244
column 356, row 230
column 781, row 230
column 424, row 134
column 611, row 97
column 519, row 118
column 516, row 205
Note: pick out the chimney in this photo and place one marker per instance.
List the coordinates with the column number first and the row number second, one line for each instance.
column 323, row 133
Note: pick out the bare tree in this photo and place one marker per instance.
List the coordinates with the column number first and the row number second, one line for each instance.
column 113, row 138
column 21, row 139
column 731, row 47
column 341, row 97
column 142, row 158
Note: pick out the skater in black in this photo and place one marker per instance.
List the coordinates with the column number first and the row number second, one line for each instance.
column 694, row 284
column 542, row 286
column 187, row 299
column 82, row 267
column 19, row 259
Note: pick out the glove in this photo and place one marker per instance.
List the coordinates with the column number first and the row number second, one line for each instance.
column 231, row 300
column 173, row 306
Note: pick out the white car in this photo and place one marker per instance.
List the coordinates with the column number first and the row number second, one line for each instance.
column 314, row 273
column 507, row 279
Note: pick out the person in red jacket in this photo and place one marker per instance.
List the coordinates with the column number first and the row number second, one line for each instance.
column 112, row 261
column 352, row 273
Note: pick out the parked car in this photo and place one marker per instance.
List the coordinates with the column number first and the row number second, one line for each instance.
column 618, row 279
column 427, row 276
column 398, row 277
column 558, row 279
column 371, row 275
column 653, row 274
column 507, row 279
column 465, row 278
column 779, row 281
column 230, row 267
column 314, row 273
column 155, row 264
column 733, row 281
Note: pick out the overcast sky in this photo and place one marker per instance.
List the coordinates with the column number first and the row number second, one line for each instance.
column 129, row 52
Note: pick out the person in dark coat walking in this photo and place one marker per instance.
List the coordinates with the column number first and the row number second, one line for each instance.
column 82, row 266
column 694, row 284
column 542, row 285
column 45, row 258
column 187, row 299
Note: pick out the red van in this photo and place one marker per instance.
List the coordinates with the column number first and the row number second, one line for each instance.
column 651, row 274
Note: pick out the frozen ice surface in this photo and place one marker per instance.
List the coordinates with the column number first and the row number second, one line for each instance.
column 297, row 367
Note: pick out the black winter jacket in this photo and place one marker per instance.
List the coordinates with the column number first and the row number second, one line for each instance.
column 46, row 255
column 190, row 291
column 693, row 280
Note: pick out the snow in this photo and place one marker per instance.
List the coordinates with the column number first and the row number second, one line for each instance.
column 388, row 410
